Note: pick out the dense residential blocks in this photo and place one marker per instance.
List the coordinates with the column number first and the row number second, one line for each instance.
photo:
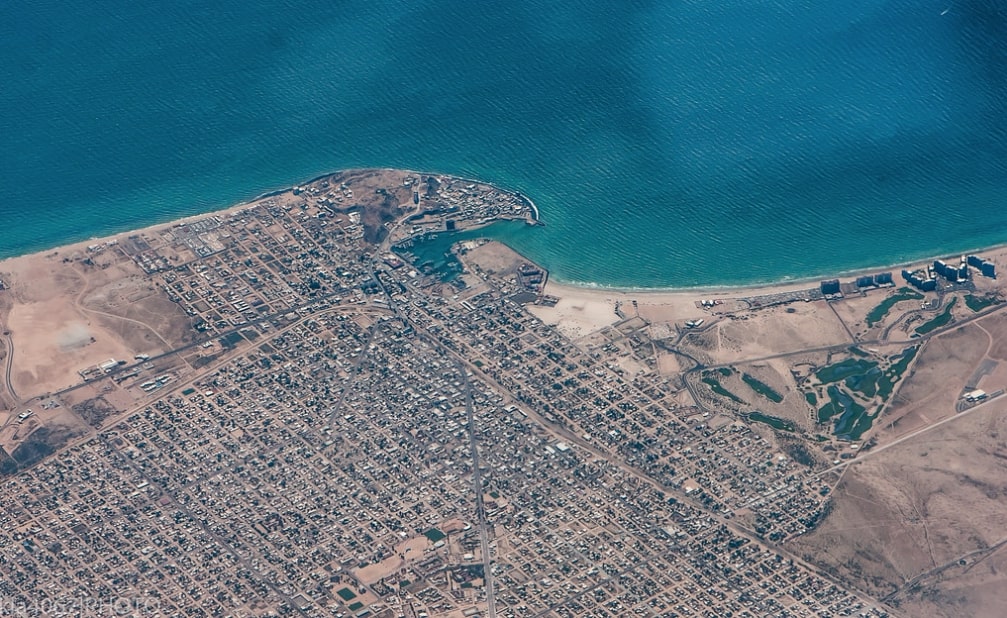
column 338, row 434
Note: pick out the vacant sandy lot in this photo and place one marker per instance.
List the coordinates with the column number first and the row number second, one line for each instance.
column 584, row 310
column 495, row 258
column 768, row 332
column 919, row 506
column 135, row 310
column 996, row 328
column 52, row 337
column 578, row 312
column 72, row 309
column 935, row 381
column 977, row 587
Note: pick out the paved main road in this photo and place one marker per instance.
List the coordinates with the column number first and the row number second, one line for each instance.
column 477, row 489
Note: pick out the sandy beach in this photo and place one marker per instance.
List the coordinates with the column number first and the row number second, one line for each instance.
column 582, row 310
column 579, row 311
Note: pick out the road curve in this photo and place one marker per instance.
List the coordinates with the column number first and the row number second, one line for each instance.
column 10, row 368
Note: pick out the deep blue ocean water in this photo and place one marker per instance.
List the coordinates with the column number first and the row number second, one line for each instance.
column 667, row 144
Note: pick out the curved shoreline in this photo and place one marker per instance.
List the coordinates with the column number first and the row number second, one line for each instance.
column 536, row 219
column 803, row 281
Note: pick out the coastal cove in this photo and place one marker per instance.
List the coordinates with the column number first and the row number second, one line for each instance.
column 437, row 250
column 700, row 145
column 357, row 337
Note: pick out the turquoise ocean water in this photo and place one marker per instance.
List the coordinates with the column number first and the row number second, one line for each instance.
column 667, row 143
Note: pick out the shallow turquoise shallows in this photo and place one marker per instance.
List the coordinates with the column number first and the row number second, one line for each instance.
column 667, row 143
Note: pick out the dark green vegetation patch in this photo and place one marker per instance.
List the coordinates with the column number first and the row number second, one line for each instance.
column 773, row 421
column 346, row 594
column 849, row 415
column 762, row 388
column 7, row 465
column 854, row 385
column 878, row 313
column 893, row 374
column 943, row 318
column 719, row 389
column 866, row 383
column 231, row 339
column 434, row 535
column 42, row 442
column 977, row 304
column 797, row 451
column 844, row 369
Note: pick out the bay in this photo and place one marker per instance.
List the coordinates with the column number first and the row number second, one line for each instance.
column 667, row 144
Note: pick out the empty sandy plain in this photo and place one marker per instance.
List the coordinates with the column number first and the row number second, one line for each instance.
column 908, row 513
column 65, row 315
